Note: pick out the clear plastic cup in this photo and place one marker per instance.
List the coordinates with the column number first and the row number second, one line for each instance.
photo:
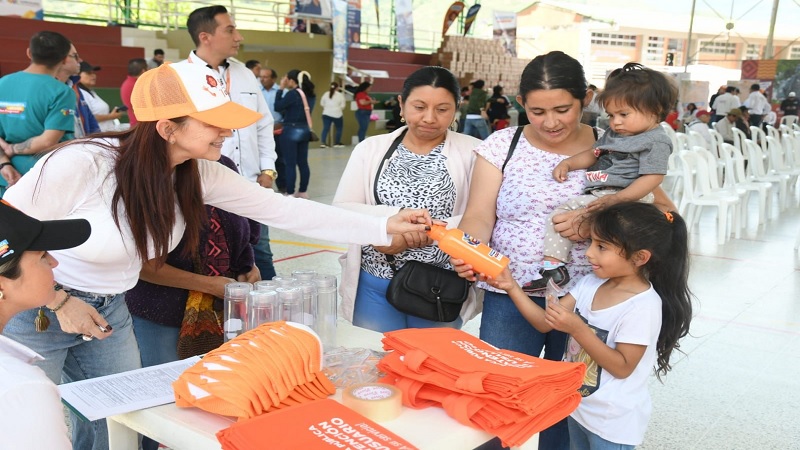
column 325, row 321
column 290, row 304
column 261, row 307
column 265, row 285
column 304, row 275
column 309, row 302
column 235, row 316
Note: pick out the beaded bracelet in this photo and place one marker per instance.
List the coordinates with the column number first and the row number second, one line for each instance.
column 60, row 305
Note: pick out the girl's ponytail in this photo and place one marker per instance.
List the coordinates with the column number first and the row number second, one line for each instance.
column 669, row 274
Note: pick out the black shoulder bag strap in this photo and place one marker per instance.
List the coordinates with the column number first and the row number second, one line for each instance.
column 513, row 146
column 386, row 157
column 389, row 258
column 516, row 139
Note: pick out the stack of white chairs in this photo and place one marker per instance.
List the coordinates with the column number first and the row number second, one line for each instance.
column 673, row 175
column 699, row 193
column 777, row 162
column 757, row 171
column 736, row 178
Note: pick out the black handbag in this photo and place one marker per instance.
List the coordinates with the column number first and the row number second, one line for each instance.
column 420, row 289
column 427, row 291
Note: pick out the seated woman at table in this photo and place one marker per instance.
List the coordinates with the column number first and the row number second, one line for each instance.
column 31, row 415
column 429, row 168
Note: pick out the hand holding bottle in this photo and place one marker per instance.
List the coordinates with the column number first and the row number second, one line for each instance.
column 409, row 220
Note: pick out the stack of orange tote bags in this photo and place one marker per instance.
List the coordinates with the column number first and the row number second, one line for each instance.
column 270, row 367
column 508, row 394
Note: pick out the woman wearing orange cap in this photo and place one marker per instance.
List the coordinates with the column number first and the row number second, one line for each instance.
column 142, row 190
column 31, row 414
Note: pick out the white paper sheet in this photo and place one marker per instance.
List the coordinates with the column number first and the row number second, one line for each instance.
column 101, row 397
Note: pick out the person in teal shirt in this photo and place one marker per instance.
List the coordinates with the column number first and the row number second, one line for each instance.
column 36, row 110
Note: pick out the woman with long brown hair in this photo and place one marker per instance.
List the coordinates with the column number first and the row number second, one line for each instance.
column 142, row 190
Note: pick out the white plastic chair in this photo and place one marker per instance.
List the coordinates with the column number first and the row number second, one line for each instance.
column 671, row 134
column 683, row 142
column 758, row 137
column 756, row 171
column 788, row 120
column 697, row 140
column 735, row 176
column 672, row 179
column 697, row 194
column 772, row 131
column 739, row 138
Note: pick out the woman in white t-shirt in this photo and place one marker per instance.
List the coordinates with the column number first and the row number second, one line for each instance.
column 30, row 406
column 333, row 104
column 623, row 320
column 102, row 112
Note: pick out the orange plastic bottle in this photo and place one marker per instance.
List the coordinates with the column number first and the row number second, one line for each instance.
column 460, row 245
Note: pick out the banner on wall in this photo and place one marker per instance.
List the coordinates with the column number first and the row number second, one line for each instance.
column 405, row 25
column 452, row 14
column 313, row 8
column 470, row 17
column 505, row 30
column 26, row 9
column 354, row 23
column 339, row 36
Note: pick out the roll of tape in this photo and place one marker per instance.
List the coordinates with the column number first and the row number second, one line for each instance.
column 376, row 401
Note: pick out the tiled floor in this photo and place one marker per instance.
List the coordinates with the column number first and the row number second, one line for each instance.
column 737, row 384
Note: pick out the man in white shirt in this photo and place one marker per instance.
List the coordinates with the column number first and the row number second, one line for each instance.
column 253, row 148
column 725, row 126
column 757, row 104
column 700, row 125
column 725, row 103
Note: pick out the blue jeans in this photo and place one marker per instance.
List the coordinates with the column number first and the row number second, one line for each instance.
column 158, row 344
column 582, row 439
column 326, row 126
column 362, row 116
column 69, row 358
column 479, row 126
column 503, row 326
column 280, row 167
column 295, row 156
column 373, row 311
column 263, row 255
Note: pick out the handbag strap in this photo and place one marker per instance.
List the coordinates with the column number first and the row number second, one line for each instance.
column 514, row 141
column 305, row 107
column 386, row 157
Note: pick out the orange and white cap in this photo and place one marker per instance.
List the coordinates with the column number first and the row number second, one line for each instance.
column 178, row 90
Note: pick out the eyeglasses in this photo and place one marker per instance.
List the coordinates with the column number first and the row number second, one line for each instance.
column 75, row 55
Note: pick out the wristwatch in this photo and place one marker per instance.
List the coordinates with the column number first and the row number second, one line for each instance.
column 272, row 174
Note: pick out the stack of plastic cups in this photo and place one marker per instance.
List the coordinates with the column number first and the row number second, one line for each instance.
column 261, row 306
column 235, row 316
column 290, row 305
column 325, row 323
column 309, row 302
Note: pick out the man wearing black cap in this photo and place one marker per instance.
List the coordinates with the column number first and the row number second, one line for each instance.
column 31, row 414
